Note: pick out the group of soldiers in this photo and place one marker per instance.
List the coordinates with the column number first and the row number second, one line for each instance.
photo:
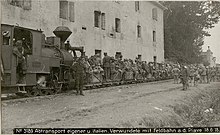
column 194, row 74
column 109, row 67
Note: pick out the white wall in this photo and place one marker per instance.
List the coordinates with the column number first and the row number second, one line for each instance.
column 44, row 15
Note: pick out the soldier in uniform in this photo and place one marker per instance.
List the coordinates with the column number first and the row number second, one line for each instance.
column 67, row 45
column 97, row 59
column 112, row 68
column 121, row 67
column 203, row 74
column 208, row 74
column 176, row 72
column 88, row 71
column 151, row 69
column 146, row 69
column 217, row 74
column 191, row 74
column 106, row 66
column 213, row 74
column 135, row 70
column 18, row 51
column 196, row 76
column 79, row 67
column 185, row 76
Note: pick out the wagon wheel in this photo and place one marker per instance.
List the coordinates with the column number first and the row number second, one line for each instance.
column 46, row 92
column 33, row 91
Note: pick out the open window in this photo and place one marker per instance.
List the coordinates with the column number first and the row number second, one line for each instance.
column 27, row 40
column 117, row 25
column 138, row 31
column 6, row 37
column 139, row 57
column 154, row 36
column 97, row 18
column 155, row 59
column 137, row 6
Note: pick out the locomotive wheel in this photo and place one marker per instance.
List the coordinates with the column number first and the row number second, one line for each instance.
column 32, row 92
column 57, row 90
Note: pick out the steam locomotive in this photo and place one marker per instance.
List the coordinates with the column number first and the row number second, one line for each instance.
column 46, row 63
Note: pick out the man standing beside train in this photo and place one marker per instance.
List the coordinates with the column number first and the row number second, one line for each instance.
column 106, row 66
column 80, row 72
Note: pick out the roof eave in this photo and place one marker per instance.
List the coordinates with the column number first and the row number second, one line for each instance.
column 159, row 5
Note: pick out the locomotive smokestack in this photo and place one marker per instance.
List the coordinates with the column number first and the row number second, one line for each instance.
column 63, row 33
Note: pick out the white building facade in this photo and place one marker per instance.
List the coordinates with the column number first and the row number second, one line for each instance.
column 132, row 28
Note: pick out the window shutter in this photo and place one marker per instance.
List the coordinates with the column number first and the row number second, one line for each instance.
column 97, row 21
column 64, row 9
column 71, row 11
column 136, row 5
column 103, row 21
column 154, row 13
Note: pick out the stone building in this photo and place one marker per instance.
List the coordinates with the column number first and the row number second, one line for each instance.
column 132, row 28
column 207, row 57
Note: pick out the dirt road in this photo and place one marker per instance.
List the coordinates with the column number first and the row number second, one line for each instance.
column 137, row 105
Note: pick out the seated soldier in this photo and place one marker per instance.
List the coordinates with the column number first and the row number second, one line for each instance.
column 135, row 71
column 88, row 70
column 145, row 67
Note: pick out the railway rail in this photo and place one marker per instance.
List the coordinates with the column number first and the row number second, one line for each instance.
column 22, row 97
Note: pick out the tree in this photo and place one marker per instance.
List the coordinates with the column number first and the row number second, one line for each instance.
column 186, row 24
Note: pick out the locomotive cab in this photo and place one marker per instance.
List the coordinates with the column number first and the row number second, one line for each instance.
column 18, row 47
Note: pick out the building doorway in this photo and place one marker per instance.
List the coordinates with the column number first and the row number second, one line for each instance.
column 99, row 52
column 118, row 55
column 155, row 60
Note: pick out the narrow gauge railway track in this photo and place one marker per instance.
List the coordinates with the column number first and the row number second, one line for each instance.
column 21, row 98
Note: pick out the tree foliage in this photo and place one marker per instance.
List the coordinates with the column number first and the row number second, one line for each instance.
column 186, row 24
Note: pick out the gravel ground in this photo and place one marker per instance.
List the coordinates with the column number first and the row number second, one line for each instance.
column 123, row 106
